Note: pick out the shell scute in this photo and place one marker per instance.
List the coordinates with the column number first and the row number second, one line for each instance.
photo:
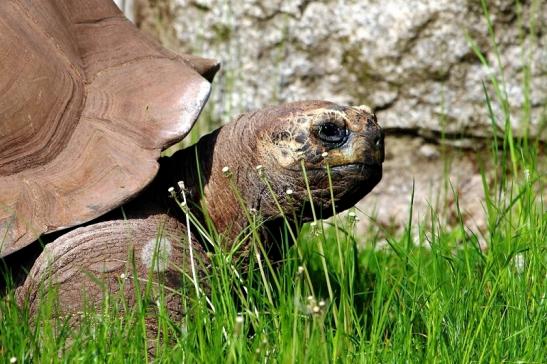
column 88, row 103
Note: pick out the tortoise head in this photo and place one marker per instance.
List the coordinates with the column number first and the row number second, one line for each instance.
column 321, row 145
column 333, row 152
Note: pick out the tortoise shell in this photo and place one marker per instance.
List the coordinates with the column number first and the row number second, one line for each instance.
column 87, row 104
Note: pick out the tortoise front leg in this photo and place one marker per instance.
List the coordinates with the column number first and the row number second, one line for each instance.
column 120, row 256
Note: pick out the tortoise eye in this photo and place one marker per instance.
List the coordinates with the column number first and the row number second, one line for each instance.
column 330, row 133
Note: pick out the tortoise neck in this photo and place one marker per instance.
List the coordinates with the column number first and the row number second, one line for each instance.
column 226, row 197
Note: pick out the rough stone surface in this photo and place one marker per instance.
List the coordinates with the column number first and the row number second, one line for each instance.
column 443, row 179
column 410, row 60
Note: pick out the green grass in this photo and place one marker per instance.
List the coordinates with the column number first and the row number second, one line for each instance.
column 439, row 298
column 428, row 294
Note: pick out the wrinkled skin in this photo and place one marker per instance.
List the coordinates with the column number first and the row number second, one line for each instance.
column 283, row 140
column 151, row 241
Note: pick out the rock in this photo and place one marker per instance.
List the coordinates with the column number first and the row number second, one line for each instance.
column 410, row 60
column 442, row 180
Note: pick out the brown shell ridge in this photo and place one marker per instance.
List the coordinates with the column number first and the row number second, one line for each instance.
column 125, row 63
column 8, row 149
column 84, row 114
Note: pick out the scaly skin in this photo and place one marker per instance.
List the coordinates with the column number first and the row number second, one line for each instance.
column 281, row 139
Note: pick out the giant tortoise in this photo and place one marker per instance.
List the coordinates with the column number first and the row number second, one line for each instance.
column 87, row 105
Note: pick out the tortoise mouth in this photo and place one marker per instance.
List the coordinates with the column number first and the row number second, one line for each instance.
column 350, row 177
column 359, row 168
column 369, row 172
column 358, row 173
column 349, row 182
column 355, row 166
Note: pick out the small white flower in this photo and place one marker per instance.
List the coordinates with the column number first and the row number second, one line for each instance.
column 239, row 319
column 260, row 170
column 311, row 298
column 300, row 269
column 13, row 360
column 353, row 216
column 171, row 191
column 314, row 229
column 316, row 309
column 181, row 185
column 324, row 154
column 226, row 171
column 322, row 303
column 122, row 276
column 289, row 192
